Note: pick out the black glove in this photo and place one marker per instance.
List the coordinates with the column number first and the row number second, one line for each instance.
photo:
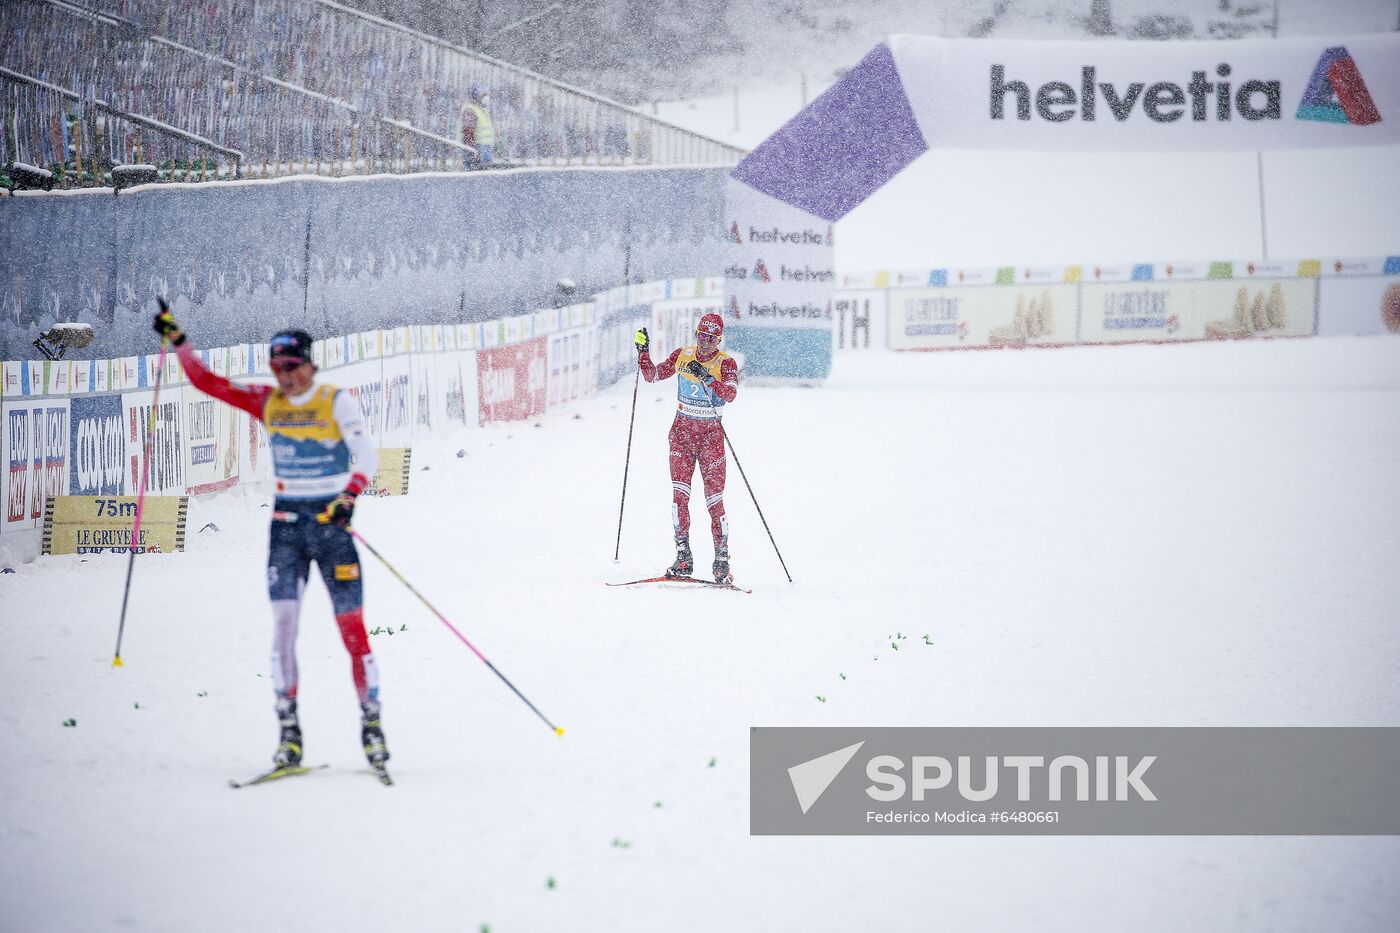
column 642, row 340
column 698, row 371
column 165, row 325
column 341, row 508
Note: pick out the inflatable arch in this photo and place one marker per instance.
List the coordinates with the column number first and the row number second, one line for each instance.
column 914, row 93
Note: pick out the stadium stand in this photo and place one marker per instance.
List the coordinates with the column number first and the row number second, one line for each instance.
column 257, row 88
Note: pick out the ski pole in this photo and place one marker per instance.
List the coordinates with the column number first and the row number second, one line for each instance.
column 626, row 464
column 558, row 730
column 141, row 489
column 745, row 477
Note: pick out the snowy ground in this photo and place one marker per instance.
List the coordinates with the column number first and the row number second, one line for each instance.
column 1192, row 535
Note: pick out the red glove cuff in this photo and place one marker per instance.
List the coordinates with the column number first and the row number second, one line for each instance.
column 357, row 485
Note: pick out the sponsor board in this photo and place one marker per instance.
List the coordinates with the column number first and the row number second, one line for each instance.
column 778, row 262
column 96, row 446
column 614, row 340
column 103, row 525
column 365, row 383
column 512, row 381
column 391, row 479
column 457, row 395
column 34, row 453
column 1184, row 271
column 1354, row 305
column 1163, row 96
column 166, row 473
column 58, row 377
column 1005, row 316
column 83, row 377
column 860, row 320
column 254, row 452
column 397, row 426
column 426, row 387
column 1196, row 310
column 211, row 442
column 13, row 381
column 568, row 352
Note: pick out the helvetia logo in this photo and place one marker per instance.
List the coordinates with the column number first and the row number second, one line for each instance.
column 734, row 306
column 760, row 271
column 734, row 232
column 1159, row 101
column 1336, row 92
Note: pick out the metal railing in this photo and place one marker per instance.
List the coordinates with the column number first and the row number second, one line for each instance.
column 292, row 87
column 81, row 139
column 384, row 68
column 279, row 128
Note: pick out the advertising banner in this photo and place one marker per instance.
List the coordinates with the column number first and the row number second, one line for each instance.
column 365, row 382
column 96, row 446
column 778, row 270
column 167, row 466
column 211, row 443
column 1194, row 310
column 615, row 335
column 454, row 400
column 567, row 352
column 1248, row 94
column 983, row 316
column 391, row 479
column 778, row 262
column 12, row 379
column 35, row 456
column 98, row 525
column 427, row 386
column 397, row 426
column 1359, row 305
column 860, row 320
column 254, row 454
column 512, row 381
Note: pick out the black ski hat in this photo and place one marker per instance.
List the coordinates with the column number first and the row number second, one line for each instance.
column 291, row 345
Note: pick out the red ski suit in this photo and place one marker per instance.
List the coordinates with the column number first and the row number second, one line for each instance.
column 696, row 434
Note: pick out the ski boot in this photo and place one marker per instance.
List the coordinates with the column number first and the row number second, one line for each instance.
column 721, row 567
column 685, row 564
column 288, row 752
column 372, row 736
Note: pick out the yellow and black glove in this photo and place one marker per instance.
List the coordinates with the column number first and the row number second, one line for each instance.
column 165, row 325
column 642, row 341
column 339, row 511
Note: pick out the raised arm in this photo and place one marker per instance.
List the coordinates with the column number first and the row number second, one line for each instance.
column 251, row 399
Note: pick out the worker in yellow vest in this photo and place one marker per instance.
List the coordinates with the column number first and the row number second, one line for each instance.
column 477, row 128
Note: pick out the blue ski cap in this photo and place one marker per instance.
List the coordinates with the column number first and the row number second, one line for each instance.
column 291, row 345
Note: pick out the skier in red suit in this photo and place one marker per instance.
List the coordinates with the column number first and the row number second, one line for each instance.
column 707, row 378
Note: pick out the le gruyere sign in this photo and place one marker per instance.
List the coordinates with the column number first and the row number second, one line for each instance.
column 101, row 525
column 391, row 479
